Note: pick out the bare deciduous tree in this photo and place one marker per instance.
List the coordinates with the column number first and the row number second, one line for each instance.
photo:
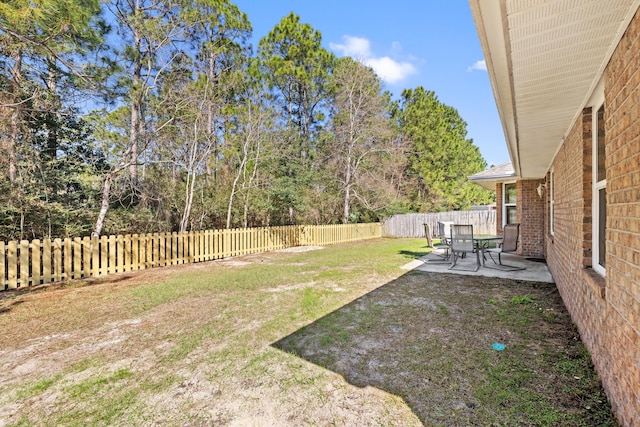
column 363, row 134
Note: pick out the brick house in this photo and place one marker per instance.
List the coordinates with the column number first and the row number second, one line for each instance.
column 566, row 79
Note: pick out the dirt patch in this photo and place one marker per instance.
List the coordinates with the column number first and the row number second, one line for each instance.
column 309, row 349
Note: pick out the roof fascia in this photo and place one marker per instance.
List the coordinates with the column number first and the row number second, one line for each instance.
column 491, row 22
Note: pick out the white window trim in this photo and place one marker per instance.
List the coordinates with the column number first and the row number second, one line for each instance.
column 504, row 201
column 596, row 187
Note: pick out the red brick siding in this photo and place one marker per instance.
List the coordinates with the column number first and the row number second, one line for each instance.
column 622, row 126
column 609, row 322
column 568, row 251
column 530, row 214
column 547, row 212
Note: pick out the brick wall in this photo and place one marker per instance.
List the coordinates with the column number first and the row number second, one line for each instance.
column 530, row 214
column 607, row 311
column 622, row 126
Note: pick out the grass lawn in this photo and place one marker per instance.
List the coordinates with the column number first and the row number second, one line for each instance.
column 333, row 336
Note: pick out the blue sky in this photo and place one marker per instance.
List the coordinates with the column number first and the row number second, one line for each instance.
column 410, row 43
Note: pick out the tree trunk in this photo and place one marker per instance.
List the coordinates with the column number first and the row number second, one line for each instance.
column 104, row 207
column 15, row 133
column 15, row 117
column 347, row 190
column 134, row 136
column 136, row 101
column 52, row 126
column 241, row 168
column 253, row 176
column 347, row 202
column 188, row 202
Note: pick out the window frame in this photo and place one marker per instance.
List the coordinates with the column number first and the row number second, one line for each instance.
column 505, row 204
column 597, row 186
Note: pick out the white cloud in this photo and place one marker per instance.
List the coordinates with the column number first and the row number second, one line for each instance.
column 356, row 47
column 479, row 65
column 388, row 69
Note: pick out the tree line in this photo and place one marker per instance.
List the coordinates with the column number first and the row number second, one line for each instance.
column 132, row 116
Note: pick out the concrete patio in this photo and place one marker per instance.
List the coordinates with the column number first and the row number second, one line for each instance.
column 434, row 262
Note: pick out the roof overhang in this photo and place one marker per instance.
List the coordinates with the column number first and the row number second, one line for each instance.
column 490, row 177
column 544, row 59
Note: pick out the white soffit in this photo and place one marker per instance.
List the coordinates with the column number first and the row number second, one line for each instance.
column 544, row 59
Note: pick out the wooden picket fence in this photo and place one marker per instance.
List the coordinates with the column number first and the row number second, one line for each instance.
column 29, row 263
column 412, row 225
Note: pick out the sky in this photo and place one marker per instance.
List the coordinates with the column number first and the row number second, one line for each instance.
column 409, row 43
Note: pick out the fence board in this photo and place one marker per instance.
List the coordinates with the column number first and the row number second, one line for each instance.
column 104, row 255
column 142, row 252
column 57, row 259
column 46, row 261
column 95, row 256
column 67, row 259
column 162, row 249
column 119, row 264
column 111, row 254
column 191, row 246
column 24, row 263
column 147, row 257
column 126, row 252
column 36, row 267
column 76, row 268
column 86, row 257
column 180, row 258
column 12, row 264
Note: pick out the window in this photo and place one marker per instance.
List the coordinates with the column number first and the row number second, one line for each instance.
column 599, row 198
column 551, row 200
column 509, row 195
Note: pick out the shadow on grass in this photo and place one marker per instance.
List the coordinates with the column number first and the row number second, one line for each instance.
column 414, row 254
column 427, row 338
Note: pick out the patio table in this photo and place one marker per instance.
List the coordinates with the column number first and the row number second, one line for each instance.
column 481, row 243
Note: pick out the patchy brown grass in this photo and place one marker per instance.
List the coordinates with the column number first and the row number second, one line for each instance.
column 338, row 336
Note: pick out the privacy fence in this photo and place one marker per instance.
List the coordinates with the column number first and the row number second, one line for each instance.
column 411, row 225
column 29, row 263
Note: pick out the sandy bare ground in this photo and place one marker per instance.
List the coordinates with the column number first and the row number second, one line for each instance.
column 386, row 350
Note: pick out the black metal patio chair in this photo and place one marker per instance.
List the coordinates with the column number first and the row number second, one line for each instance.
column 509, row 244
